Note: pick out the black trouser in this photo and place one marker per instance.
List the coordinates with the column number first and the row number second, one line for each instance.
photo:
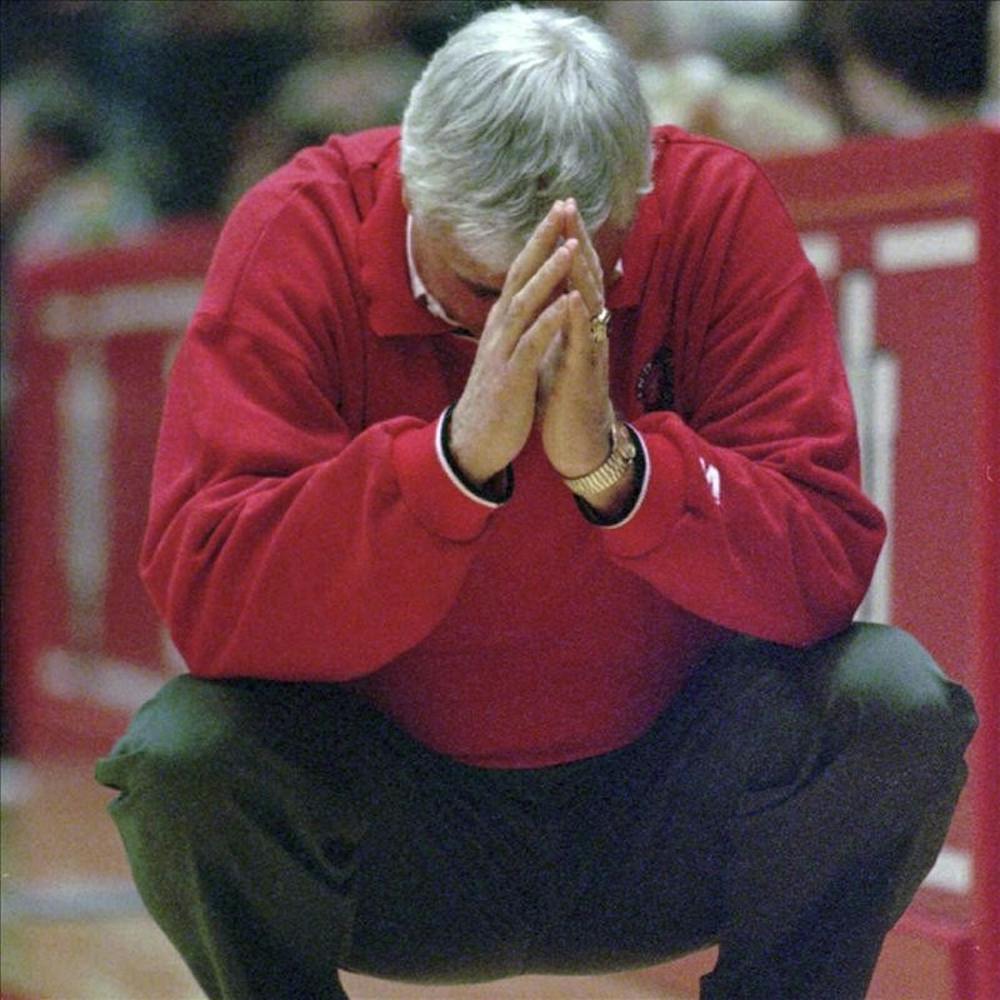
column 786, row 805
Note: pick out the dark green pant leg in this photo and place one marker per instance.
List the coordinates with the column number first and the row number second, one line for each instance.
column 280, row 831
column 240, row 806
column 831, row 774
column 823, row 866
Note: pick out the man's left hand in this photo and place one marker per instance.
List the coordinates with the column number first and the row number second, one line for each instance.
column 574, row 401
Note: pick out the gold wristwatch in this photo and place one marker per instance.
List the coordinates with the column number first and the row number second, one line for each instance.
column 612, row 469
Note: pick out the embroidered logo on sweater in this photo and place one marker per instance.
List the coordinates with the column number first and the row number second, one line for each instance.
column 655, row 386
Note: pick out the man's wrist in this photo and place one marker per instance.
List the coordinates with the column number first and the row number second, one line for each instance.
column 615, row 467
column 615, row 504
column 497, row 489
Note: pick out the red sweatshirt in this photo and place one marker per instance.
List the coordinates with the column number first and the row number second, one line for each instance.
column 304, row 526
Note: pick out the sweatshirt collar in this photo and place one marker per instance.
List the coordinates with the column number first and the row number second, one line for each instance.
column 417, row 286
column 393, row 309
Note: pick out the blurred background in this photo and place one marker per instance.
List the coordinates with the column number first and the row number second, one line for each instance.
column 129, row 129
column 119, row 114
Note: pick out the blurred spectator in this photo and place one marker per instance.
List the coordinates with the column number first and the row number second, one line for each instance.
column 713, row 68
column 775, row 77
column 348, row 26
column 199, row 95
column 196, row 71
column 700, row 93
column 63, row 189
column 359, row 77
column 811, row 68
column 363, row 60
column 893, row 66
column 320, row 96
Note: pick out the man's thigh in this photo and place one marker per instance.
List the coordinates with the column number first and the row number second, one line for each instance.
column 435, row 862
column 646, row 833
column 464, row 874
column 774, row 770
column 448, row 876
column 607, row 863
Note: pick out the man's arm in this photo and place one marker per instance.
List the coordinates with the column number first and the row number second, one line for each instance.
column 282, row 544
column 752, row 515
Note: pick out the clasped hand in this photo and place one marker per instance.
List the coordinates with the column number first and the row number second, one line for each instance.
column 537, row 360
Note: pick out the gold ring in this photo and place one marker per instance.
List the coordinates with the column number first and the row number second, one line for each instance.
column 599, row 326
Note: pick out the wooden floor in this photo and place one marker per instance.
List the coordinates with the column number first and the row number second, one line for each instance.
column 73, row 928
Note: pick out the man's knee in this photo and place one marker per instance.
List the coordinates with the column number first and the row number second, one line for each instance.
column 885, row 687
column 895, row 681
column 177, row 751
column 202, row 750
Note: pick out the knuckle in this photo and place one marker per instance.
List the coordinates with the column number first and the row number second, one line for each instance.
column 515, row 273
column 559, row 260
column 555, row 267
column 517, row 307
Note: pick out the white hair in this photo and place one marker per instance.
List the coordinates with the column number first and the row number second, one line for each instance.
column 518, row 108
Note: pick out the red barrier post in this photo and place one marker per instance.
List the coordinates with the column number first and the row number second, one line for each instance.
column 906, row 235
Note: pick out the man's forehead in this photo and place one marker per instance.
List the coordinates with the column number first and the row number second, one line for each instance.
column 485, row 277
column 468, row 268
column 480, row 278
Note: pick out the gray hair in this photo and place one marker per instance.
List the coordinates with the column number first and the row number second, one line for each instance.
column 518, row 108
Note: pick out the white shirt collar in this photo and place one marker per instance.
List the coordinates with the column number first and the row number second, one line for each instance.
column 417, row 285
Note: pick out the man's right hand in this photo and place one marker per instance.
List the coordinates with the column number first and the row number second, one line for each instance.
column 494, row 415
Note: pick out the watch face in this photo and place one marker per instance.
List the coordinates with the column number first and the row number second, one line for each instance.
column 625, row 445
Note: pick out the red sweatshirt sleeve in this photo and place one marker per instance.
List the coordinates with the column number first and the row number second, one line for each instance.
column 752, row 517
column 281, row 543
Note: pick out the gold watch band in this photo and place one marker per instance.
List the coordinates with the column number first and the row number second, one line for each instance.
column 611, row 470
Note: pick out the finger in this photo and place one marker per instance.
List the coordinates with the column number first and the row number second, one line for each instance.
column 574, row 227
column 535, row 342
column 579, row 341
column 583, row 279
column 526, row 304
column 536, row 251
column 582, row 351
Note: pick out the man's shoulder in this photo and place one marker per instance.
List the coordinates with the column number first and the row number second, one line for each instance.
column 698, row 180
column 307, row 213
column 372, row 148
column 336, row 168
column 329, row 185
column 679, row 154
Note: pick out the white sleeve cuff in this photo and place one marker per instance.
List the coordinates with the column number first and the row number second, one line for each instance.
column 450, row 470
